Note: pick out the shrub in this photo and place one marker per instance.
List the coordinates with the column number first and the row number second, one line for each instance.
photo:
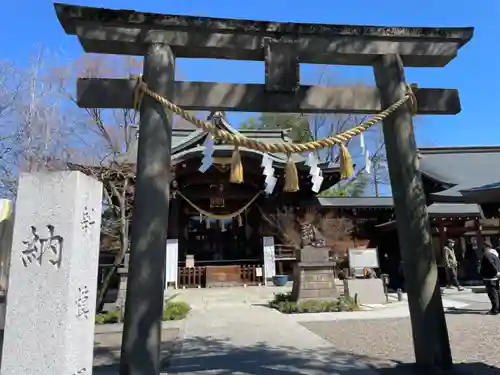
column 175, row 310
column 108, row 317
column 284, row 303
column 171, row 311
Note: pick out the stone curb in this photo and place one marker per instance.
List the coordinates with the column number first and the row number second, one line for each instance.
column 118, row 327
column 178, row 348
column 478, row 289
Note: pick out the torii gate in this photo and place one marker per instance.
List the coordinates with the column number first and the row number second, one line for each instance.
column 282, row 46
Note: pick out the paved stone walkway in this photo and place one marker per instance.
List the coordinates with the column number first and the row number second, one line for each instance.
column 255, row 340
column 230, row 332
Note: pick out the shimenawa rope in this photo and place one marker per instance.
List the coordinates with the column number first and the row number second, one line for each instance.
column 241, row 140
column 291, row 183
column 217, row 216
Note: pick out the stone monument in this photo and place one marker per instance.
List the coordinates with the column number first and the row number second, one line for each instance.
column 367, row 290
column 53, row 275
column 313, row 277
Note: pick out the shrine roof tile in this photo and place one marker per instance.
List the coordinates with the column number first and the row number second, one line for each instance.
column 461, row 168
column 352, row 202
column 434, row 210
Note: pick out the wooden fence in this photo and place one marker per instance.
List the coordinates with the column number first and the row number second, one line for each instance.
column 195, row 277
column 192, row 277
column 249, row 274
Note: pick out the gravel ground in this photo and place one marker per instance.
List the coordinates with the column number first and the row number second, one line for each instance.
column 107, row 349
column 474, row 339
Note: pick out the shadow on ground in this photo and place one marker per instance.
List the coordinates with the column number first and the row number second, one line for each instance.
column 456, row 311
column 107, row 351
column 459, row 369
column 111, row 358
column 199, row 355
column 202, row 355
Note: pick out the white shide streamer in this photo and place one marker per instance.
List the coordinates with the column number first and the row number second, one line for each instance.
column 314, row 171
column 208, row 150
column 268, row 171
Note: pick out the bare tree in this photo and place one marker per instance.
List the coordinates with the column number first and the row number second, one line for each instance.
column 118, row 181
column 46, row 130
column 35, row 132
column 10, row 90
column 110, row 133
column 337, row 231
column 285, row 224
column 282, row 224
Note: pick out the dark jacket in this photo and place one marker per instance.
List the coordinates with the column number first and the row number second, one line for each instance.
column 490, row 265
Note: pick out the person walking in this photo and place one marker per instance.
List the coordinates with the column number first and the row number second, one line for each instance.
column 450, row 261
column 490, row 272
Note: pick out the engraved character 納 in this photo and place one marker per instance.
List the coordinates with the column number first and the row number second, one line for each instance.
column 36, row 247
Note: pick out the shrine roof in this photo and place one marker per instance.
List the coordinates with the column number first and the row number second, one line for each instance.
column 434, row 210
column 453, row 209
column 489, row 193
column 356, row 202
column 460, row 168
column 189, row 143
column 227, row 150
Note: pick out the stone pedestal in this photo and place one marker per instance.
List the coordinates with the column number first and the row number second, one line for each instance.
column 313, row 277
column 369, row 291
column 122, row 287
column 53, row 275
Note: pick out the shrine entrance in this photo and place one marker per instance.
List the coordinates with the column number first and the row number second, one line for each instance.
column 160, row 39
column 219, row 246
column 217, row 223
column 221, row 241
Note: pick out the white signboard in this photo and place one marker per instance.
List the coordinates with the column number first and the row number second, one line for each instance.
column 361, row 258
column 258, row 272
column 269, row 257
column 189, row 261
column 172, row 260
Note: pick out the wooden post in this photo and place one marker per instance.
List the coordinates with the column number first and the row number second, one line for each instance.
column 140, row 354
column 430, row 335
column 173, row 227
column 442, row 242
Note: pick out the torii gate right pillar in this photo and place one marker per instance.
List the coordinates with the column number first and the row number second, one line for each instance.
column 430, row 334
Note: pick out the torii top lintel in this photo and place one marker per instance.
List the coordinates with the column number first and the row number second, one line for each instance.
column 128, row 32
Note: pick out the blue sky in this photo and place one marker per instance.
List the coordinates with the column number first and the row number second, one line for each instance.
column 475, row 72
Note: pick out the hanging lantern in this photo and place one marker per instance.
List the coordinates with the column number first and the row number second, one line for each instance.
column 240, row 221
column 222, row 226
column 217, row 198
column 201, row 218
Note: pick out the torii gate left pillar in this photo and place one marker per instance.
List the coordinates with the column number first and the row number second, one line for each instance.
column 141, row 342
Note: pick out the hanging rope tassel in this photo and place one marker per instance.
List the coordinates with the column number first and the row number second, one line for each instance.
column 346, row 166
column 291, row 176
column 236, row 176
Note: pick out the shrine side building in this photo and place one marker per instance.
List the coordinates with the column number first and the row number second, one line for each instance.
column 461, row 188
